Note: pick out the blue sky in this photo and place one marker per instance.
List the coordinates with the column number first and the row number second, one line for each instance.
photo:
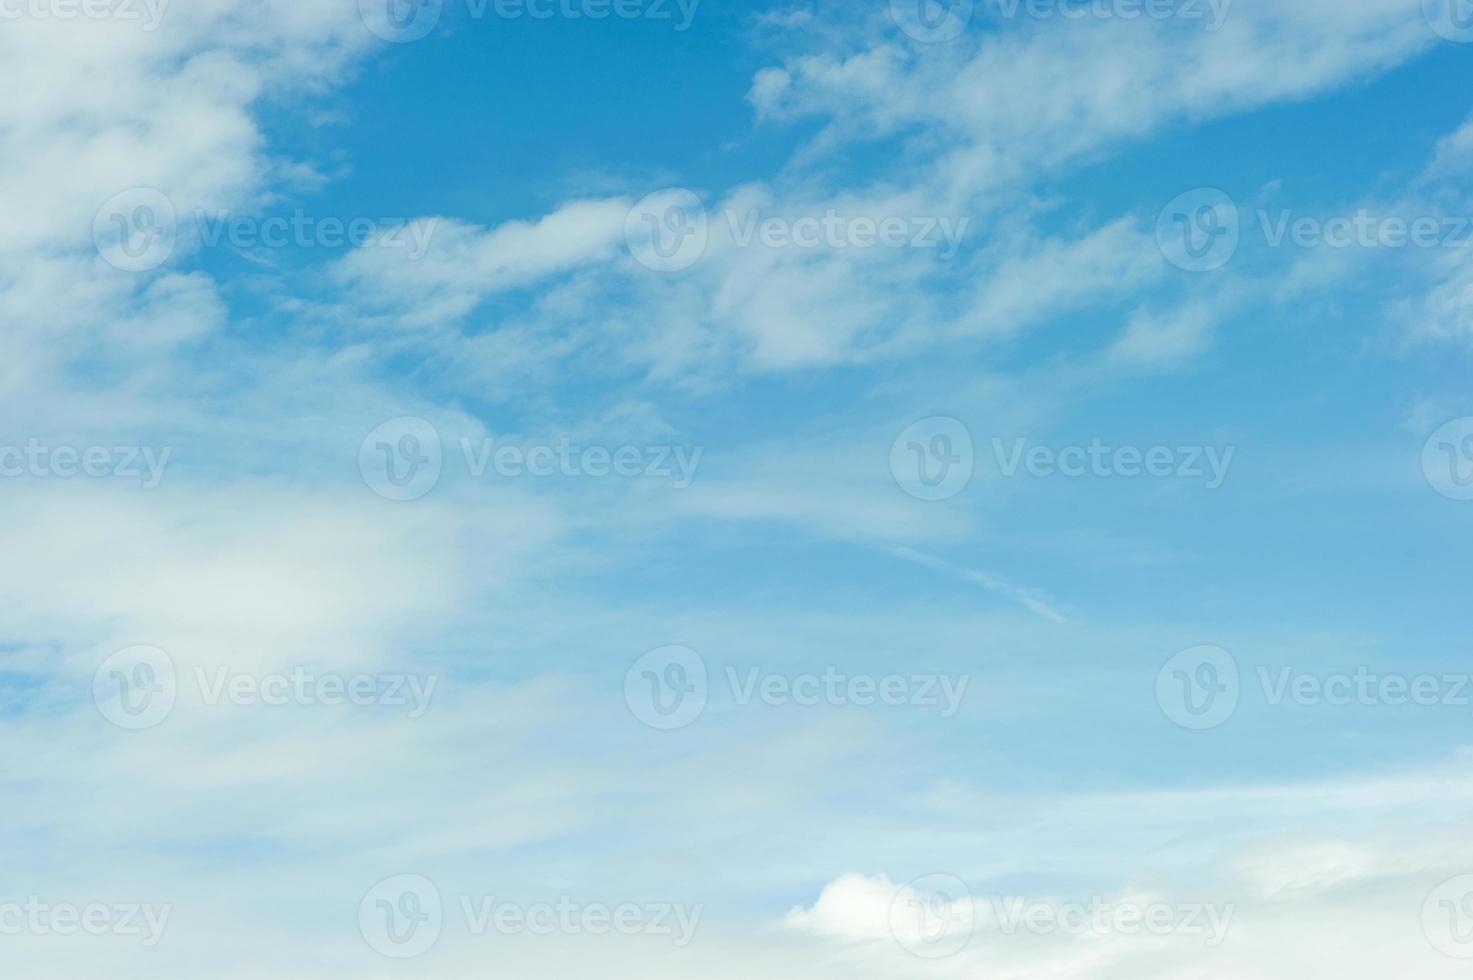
column 388, row 465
